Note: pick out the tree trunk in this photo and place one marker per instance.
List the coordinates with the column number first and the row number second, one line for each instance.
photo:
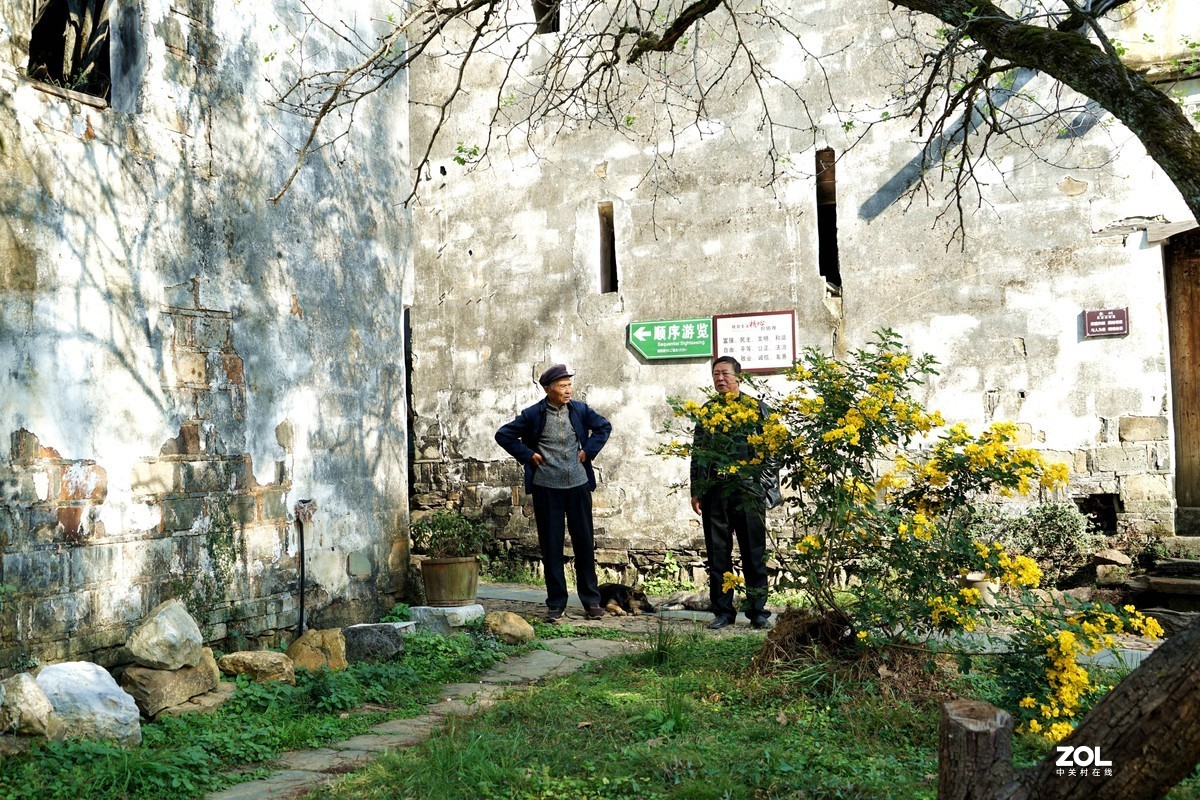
column 974, row 750
column 1072, row 59
column 1146, row 727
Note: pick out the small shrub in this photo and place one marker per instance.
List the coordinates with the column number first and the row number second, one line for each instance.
column 258, row 698
column 448, row 534
column 399, row 613
column 1057, row 536
column 24, row 663
column 329, row 691
column 509, row 567
column 665, row 580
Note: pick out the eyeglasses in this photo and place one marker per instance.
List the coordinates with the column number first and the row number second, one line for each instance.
column 724, row 374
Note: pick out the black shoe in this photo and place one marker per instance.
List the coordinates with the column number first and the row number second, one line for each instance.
column 595, row 612
column 554, row 615
column 760, row 622
column 718, row 623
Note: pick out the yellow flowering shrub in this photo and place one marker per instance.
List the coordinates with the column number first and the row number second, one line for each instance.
column 887, row 547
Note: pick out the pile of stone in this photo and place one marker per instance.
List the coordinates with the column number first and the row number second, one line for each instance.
column 170, row 664
column 1173, row 592
column 167, row 670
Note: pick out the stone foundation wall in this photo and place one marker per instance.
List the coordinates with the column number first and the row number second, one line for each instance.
column 1123, row 482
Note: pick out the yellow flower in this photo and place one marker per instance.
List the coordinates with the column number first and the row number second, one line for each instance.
column 862, row 635
column 732, row 582
column 808, row 544
column 1054, row 475
column 1058, row 731
column 1027, row 702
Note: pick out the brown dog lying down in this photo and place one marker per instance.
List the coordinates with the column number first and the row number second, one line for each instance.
column 619, row 600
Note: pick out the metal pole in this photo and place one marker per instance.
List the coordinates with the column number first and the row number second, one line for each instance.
column 304, row 511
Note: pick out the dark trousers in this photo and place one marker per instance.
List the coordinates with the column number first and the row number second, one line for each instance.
column 725, row 516
column 550, row 507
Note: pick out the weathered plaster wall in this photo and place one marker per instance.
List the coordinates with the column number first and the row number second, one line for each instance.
column 184, row 360
column 507, row 282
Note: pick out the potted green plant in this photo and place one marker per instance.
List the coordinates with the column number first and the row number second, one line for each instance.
column 452, row 546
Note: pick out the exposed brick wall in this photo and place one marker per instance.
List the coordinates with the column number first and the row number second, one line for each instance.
column 81, row 587
column 198, row 526
column 494, row 492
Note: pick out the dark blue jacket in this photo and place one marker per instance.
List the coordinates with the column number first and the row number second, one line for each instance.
column 520, row 437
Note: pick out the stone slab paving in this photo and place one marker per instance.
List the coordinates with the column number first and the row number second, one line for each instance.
column 324, row 759
column 302, row 771
column 283, row 785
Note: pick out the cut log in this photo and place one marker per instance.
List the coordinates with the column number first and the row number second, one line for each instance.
column 974, row 750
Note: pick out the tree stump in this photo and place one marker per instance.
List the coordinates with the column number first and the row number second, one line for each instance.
column 1145, row 729
column 974, row 750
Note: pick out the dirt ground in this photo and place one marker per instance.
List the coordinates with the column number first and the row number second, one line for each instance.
column 641, row 624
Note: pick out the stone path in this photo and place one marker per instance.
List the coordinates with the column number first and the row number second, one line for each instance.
column 302, row 771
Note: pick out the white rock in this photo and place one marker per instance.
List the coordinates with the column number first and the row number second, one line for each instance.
column 90, row 704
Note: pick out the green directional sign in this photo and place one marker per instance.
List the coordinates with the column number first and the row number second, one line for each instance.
column 672, row 338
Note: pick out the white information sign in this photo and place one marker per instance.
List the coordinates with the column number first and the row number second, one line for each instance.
column 763, row 342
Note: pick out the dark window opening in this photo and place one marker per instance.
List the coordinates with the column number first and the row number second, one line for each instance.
column 69, row 45
column 827, row 245
column 546, row 14
column 1101, row 510
column 608, row 249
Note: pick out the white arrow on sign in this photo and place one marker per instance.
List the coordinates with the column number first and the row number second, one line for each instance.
column 641, row 334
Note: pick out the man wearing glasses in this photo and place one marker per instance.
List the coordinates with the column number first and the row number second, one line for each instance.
column 733, row 506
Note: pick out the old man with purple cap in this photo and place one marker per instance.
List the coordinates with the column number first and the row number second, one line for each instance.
column 556, row 439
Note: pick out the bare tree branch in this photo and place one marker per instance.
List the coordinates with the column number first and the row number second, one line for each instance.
column 986, row 76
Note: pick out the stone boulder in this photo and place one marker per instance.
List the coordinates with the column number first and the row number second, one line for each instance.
column 508, row 627
column 205, row 703
column 24, row 708
column 167, row 639
column 265, row 666
column 381, row 641
column 1111, row 574
column 90, row 704
column 156, row 689
column 445, row 620
column 317, row 650
column 1111, row 556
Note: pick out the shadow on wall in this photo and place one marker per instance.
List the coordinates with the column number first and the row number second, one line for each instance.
column 123, row 226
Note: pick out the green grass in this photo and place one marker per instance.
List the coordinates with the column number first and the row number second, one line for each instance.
column 685, row 719
column 681, row 720
column 188, row 756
